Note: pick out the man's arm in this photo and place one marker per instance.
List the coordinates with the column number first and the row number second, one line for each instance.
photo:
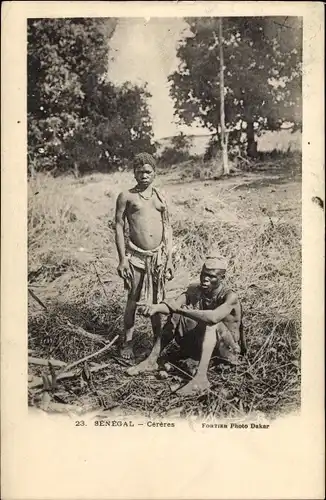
column 169, row 267
column 168, row 233
column 166, row 307
column 169, row 242
column 119, row 233
column 212, row 317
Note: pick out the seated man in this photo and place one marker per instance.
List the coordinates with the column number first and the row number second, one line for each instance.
column 208, row 313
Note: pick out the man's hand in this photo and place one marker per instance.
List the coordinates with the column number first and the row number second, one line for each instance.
column 169, row 273
column 147, row 310
column 124, row 270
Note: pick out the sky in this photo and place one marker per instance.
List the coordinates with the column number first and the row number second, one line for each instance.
column 144, row 50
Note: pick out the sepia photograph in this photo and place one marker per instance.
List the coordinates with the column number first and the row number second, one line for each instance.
column 162, row 250
column 164, row 217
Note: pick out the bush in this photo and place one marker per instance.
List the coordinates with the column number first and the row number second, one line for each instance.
column 177, row 152
column 172, row 156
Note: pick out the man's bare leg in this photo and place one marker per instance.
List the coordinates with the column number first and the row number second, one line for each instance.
column 200, row 381
column 150, row 363
column 228, row 346
column 126, row 350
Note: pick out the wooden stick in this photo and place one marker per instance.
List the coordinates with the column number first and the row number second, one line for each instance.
column 86, row 358
column 244, row 159
column 80, row 331
column 98, row 368
column 45, row 362
column 180, row 370
column 62, row 408
column 121, row 361
column 35, row 297
column 54, row 362
column 38, row 381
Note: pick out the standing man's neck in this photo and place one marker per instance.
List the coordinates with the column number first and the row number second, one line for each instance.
column 143, row 189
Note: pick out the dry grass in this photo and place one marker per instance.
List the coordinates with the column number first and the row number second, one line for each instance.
column 258, row 227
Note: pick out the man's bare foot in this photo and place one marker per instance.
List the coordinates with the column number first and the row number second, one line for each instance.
column 148, row 365
column 126, row 351
column 196, row 386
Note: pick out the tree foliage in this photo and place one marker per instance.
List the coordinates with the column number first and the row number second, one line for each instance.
column 118, row 125
column 76, row 117
column 177, row 152
column 262, row 59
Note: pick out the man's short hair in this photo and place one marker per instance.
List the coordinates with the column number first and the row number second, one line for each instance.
column 143, row 158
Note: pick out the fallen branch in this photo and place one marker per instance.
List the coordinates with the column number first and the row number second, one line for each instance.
column 61, row 408
column 35, row 297
column 236, row 186
column 83, row 333
column 38, row 381
column 121, row 361
column 244, row 159
column 86, row 358
column 45, row 362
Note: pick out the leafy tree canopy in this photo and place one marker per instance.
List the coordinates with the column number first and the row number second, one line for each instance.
column 75, row 116
column 263, row 62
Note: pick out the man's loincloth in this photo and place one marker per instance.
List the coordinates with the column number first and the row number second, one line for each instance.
column 153, row 264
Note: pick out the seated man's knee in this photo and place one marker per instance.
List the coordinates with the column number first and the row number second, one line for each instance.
column 219, row 328
column 212, row 328
column 212, row 332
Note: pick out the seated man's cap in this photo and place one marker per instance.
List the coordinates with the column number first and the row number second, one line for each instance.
column 214, row 261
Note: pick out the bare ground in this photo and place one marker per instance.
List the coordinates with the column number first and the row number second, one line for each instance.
column 254, row 218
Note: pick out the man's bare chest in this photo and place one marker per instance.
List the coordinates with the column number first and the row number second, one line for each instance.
column 142, row 207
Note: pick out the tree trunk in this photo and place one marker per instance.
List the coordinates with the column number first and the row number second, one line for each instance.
column 224, row 138
column 251, row 143
column 76, row 170
column 218, row 141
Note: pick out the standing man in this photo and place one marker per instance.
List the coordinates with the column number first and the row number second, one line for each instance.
column 145, row 261
column 207, row 317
